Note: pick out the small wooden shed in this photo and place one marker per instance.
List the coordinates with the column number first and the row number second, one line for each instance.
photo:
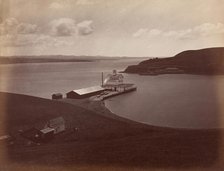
column 58, row 124
column 57, row 96
column 37, row 135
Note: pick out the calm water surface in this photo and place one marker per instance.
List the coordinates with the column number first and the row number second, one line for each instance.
column 43, row 79
column 190, row 101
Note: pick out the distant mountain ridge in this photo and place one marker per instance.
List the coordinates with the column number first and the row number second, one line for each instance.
column 14, row 60
column 203, row 61
column 55, row 58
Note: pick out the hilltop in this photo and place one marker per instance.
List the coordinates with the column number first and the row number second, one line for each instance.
column 103, row 140
column 203, row 61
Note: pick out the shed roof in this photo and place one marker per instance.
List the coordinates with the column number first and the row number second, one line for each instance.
column 47, row 130
column 88, row 90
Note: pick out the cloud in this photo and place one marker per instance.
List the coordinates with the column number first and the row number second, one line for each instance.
column 86, row 2
column 61, row 5
column 9, row 26
column 63, row 27
column 203, row 30
column 25, row 28
column 13, row 26
column 16, row 40
column 56, row 5
column 37, row 40
column 85, row 27
column 49, row 41
column 140, row 32
column 68, row 27
column 60, row 32
column 208, row 29
column 155, row 32
column 2, row 29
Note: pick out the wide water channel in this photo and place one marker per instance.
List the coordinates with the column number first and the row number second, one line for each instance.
column 186, row 101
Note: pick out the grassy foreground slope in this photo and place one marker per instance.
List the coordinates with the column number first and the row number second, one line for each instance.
column 101, row 141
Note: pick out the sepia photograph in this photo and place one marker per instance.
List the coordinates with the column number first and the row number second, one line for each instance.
column 111, row 85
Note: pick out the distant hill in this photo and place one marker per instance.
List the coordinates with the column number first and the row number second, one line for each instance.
column 203, row 61
column 14, row 60
column 55, row 58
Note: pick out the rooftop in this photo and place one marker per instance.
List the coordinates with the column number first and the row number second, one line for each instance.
column 46, row 130
column 88, row 90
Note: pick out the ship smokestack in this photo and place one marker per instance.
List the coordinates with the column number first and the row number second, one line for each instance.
column 102, row 79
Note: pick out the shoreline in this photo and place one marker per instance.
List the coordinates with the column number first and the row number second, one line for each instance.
column 104, row 139
column 100, row 108
column 184, row 73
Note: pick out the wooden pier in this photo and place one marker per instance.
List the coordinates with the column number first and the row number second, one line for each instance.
column 108, row 94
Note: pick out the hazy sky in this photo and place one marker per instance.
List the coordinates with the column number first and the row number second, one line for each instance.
column 109, row 27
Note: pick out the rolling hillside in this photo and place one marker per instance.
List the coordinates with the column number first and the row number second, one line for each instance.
column 101, row 141
column 204, row 61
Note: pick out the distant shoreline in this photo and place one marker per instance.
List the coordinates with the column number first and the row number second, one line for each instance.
column 4, row 61
column 55, row 59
